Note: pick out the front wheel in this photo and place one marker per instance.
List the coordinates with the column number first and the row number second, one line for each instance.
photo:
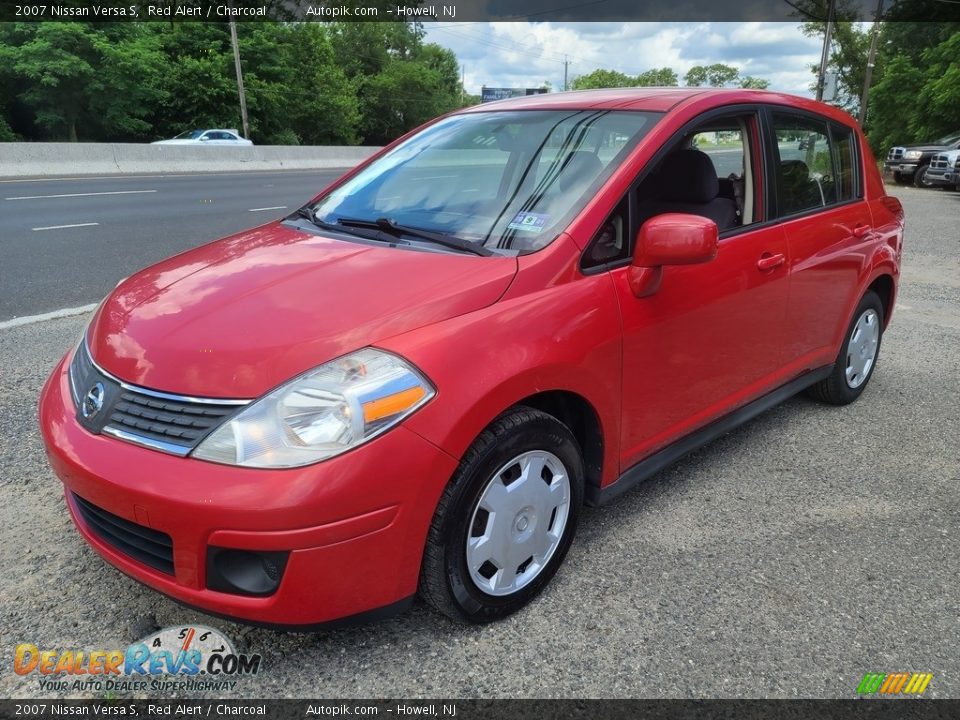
column 858, row 356
column 506, row 520
column 920, row 177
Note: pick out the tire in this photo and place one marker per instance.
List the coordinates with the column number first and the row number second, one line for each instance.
column 920, row 177
column 898, row 177
column 452, row 578
column 850, row 374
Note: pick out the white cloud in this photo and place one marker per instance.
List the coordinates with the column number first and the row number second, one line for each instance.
column 520, row 54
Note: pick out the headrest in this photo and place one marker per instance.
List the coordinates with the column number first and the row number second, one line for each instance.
column 688, row 176
column 794, row 170
column 580, row 169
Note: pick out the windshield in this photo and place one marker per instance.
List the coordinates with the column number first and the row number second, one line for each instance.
column 509, row 179
column 189, row 135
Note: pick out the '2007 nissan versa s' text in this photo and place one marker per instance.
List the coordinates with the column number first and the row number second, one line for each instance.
column 415, row 382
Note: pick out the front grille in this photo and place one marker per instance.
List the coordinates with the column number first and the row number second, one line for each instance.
column 150, row 547
column 896, row 153
column 176, row 422
column 162, row 421
column 940, row 161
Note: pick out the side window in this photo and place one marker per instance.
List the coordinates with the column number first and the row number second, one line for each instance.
column 805, row 170
column 845, row 162
column 709, row 171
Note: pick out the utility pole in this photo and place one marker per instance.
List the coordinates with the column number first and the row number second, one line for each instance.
column 566, row 64
column 871, row 57
column 240, row 90
column 825, row 55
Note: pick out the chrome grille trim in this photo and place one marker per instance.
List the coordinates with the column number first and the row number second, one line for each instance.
column 168, row 422
column 147, row 442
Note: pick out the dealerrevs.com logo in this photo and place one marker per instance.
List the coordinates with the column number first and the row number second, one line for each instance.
column 185, row 658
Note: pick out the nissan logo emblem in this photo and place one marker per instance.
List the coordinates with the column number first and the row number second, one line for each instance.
column 92, row 401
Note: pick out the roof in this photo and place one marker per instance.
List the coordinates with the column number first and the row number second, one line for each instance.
column 657, row 99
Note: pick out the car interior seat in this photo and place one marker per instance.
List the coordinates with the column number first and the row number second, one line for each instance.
column 687, row 183
column 799, row 191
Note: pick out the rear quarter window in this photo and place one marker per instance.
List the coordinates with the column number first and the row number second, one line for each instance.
column 816, row 164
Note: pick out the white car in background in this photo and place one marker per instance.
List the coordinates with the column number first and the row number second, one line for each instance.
column 207, row 137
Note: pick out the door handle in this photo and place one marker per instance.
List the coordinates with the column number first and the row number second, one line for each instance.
column 861, row 230
column 769, row 262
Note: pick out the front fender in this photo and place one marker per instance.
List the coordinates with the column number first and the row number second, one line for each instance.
column 564, row 337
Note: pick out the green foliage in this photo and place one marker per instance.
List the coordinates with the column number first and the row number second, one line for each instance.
column 940, row 94
column 916, row 101
column 658, row 77
column 600, row 78
column 306, row 83
column 752, row 83
column 716, row 75
column 6, row 134
column 850, row 46
column 915, row 92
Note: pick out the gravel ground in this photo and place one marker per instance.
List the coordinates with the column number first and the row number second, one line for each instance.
column 786, row 559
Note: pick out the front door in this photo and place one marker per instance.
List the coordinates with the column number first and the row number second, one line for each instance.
column 710, row 338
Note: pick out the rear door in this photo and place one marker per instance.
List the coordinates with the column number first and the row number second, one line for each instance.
column 819, row 197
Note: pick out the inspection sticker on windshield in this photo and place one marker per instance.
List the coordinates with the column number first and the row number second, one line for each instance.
column 528, row 222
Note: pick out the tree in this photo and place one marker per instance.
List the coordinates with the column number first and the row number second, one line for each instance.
column 60, row 62
column 848, row 58
column 940, row 95
column 716, row 75
column 600, row 78
column 752, row 83
column 657, row 77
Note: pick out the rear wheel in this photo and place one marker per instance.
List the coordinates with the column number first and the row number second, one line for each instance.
column 506, row 520
column 858, row 356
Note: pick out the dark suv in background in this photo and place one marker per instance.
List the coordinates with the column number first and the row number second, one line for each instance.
column 909, row 163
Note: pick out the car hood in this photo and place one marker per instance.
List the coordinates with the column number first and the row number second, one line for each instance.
column 925, row 148
column 241, row 315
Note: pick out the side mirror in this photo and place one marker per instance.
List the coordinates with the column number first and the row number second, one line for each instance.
column 670, row 239
column 204, row 138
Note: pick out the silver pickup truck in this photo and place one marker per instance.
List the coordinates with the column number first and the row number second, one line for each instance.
column 943, row 170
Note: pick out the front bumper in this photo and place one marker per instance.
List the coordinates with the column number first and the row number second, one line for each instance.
column 899, row 166
column 354, row 526
column 942, row 177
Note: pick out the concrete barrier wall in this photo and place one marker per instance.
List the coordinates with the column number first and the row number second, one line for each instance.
column 65, row 159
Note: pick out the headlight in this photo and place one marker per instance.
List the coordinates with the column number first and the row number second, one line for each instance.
column 912, row 154
column 320, row 414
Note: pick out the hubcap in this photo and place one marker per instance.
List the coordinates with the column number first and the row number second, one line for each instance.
column 862, row 348
column 518, row 522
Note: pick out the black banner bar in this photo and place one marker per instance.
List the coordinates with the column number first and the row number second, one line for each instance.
column 871, row 709
column 459, row 11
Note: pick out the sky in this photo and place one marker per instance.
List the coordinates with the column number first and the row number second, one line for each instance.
column 521, row 54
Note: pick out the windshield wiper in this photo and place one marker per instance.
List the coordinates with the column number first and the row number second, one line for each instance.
column 308, row 214
column 389, row 225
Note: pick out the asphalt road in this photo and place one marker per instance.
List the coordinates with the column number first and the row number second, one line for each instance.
column 66, row 243
column 786, row 559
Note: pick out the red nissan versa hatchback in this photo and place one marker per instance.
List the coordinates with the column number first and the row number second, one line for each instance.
column 415, row 382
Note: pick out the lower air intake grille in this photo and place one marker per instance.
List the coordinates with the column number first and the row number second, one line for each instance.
column 143, row 544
